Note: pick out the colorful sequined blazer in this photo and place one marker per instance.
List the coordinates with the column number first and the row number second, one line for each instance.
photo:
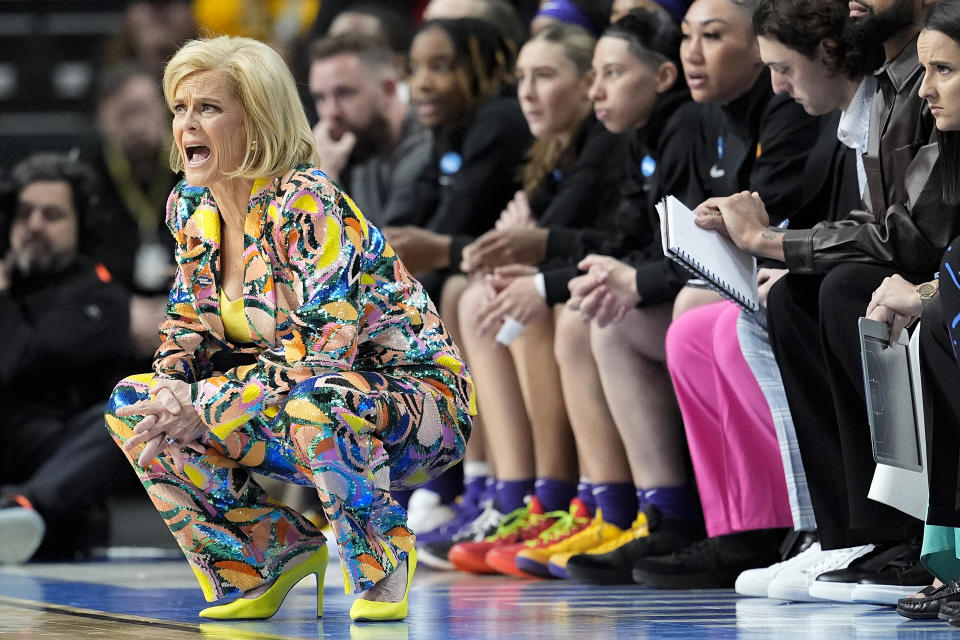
column 322, row 292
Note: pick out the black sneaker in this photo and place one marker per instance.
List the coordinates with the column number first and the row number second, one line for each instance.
column 712, row 563
column 615, row 567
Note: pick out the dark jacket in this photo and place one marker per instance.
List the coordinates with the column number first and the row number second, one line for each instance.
column 128, row 217
column 657, row 159
column 759, row 142
column 906, row 225
column 585, row 184
column 472, row 175
column 65, row 339
column 830, row 185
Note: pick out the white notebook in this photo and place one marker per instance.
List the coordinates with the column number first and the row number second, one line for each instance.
column 710, row 256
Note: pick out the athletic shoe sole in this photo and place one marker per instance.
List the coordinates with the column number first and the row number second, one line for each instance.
column 883, row 593
column 686, row 580
column 604, row 574
column 791, row 592
column 533, row 567
column 433, row 561
column 753, row 587
column 836, row 591
column 22, row 532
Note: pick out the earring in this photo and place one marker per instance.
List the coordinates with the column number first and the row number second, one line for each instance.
column 253, row 146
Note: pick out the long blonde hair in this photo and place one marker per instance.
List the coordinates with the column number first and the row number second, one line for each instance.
column 278, row 134
column 546, row 152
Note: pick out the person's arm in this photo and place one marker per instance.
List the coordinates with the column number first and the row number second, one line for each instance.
column 910, row 235
column 321, row 335
column 182, row 354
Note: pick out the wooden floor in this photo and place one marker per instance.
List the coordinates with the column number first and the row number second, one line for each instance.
column 149, row 597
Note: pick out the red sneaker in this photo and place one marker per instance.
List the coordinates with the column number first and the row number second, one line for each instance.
column 519, row 525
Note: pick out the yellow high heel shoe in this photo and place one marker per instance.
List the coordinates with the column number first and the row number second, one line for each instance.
column 266, row 605
column 373, row 611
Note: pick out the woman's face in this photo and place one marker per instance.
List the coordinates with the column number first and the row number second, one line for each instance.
column 940, row 56
column 437, row 88
column 624, row 89
column 552, row 94
column 719, row 51
column 208, row 127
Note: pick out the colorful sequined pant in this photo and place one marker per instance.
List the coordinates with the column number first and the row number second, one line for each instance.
column 352, row 435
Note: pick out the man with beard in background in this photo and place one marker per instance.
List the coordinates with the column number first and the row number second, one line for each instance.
column 813, row 311
column 369, row 140
column 65, row 333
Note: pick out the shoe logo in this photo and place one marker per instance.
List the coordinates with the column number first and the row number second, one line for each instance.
column 717, row 172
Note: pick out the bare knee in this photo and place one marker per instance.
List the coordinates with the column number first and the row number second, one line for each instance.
column 450, row 295
column 693, row 297
column 468, row 308
column 571, row 343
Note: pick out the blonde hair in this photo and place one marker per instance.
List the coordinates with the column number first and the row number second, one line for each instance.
column 546, row 153
column 278, row 134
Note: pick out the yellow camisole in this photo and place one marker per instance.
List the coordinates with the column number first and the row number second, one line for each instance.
column 234, row 319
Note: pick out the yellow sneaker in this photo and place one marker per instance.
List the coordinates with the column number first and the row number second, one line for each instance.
column 638, row 529
column 536, row 559
column 611, row 563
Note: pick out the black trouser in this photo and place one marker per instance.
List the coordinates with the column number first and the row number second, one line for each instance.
column 815, row 336
column 939, row 375
column 65, row 467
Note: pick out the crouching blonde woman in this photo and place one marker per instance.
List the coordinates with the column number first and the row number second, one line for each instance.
column 295, row 345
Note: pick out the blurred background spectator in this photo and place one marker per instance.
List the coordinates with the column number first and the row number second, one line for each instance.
column 64, row 323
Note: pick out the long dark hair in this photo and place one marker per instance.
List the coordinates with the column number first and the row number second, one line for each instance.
column 480, row 53
column 945, row 18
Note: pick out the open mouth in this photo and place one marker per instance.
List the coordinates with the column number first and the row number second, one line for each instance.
column 197, row 154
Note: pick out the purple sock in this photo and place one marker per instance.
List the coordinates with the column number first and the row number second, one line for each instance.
column 617, row 502
column 510, row 494
column 679, row 503
column 402, row 496
column 554, row 495
column 448, row 485
column 585, row 493
column 475, row 490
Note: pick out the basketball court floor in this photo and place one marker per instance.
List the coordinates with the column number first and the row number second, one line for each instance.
column 152, row 594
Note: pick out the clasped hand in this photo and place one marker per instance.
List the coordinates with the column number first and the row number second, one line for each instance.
column 896, row 303
column 502, row 247
column 511, row 292
column 170, row 413
column 606, row 293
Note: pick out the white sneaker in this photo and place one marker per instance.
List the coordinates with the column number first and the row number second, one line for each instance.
column 795, row 584
column 888, row 594
column 425, row 512
column 21, row 531
column 756, row 582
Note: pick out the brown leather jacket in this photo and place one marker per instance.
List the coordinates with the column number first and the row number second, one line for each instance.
column 906, row 224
